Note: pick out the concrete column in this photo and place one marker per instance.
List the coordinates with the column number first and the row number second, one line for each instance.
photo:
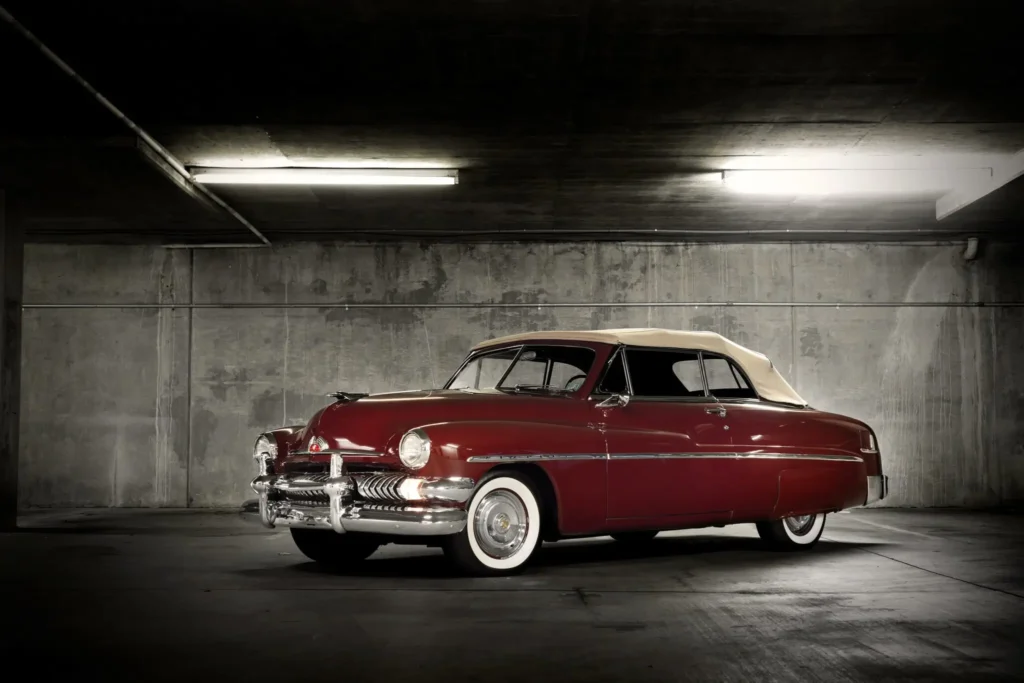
column 12, row 253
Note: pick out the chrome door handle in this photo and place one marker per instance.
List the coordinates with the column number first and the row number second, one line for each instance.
column 720, row 412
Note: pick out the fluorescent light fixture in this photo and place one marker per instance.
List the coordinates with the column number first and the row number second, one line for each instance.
column 805, row 182
column 325, row 176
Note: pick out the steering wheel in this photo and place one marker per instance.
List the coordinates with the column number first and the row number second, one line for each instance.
column 568, row 385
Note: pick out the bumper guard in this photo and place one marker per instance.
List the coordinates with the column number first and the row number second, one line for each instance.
column 878, row 488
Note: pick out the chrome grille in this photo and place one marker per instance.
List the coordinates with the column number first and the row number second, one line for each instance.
column 304, row 489
column 380, row 486
column 309, row 497
column 385, row 508
column 308, row 488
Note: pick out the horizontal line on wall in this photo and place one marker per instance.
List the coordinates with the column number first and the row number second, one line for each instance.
column 602, row 304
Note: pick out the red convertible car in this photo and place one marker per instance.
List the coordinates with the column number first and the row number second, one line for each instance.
column 551, row 435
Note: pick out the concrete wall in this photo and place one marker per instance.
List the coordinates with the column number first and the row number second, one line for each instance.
column 160, row 406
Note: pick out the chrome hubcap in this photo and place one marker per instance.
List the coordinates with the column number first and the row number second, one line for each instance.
column 500, row 524
column 799, row 526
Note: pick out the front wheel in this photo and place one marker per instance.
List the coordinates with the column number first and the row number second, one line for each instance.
column 331, row 549
column 502, row 527
column 792, row 533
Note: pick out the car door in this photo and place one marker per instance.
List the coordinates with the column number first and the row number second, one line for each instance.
column 665, row 445
column 758, row 431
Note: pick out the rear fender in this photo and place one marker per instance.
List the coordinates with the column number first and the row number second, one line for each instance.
column 820, row 487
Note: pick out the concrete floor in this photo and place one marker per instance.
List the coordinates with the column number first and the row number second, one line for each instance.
column 196, row 596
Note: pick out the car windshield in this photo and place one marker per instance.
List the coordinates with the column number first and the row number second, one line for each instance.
column 524, row 369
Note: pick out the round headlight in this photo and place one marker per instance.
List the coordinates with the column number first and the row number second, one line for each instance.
column 414, row 449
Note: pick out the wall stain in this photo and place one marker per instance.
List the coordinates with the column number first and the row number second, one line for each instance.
column 266, row 408
column 373, row 317
column 204, row 424
column 703, row 322
column 516, row 296
column 276, row 290
column 810, row 342
column 220, row 379
column 430, row 290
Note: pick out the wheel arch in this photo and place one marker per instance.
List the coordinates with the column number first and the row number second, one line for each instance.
column 546, row 494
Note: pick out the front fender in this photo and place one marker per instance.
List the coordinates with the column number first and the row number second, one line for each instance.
column 572, row 456
column 285, row 437
column 492, row 438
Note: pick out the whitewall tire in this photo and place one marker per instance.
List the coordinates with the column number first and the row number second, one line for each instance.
column 793, row 533
column 503, row 520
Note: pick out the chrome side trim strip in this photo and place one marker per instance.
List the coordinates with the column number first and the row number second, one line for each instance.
column 537, row 457
column 366, row 454
column 869, row 451
column 737, row 456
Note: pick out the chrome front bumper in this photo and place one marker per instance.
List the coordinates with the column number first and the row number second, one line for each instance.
column 878, row 488
column 382, row 503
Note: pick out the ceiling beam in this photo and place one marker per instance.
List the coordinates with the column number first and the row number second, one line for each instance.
column 153, row 150
column 960, row 197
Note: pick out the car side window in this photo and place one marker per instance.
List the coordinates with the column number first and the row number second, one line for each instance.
column 688, row 372
column 725, row 380
column 654, row 373
column 614, row 381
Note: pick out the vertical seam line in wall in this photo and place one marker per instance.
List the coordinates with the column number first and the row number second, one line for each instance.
column 188, row 375
column 795, row 374
column 993, row 331
column 284, row 373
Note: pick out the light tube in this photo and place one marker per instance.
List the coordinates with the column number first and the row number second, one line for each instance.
column 324, row 176
column 806, row 182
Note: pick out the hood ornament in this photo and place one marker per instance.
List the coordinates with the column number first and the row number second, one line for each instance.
column 346, row 397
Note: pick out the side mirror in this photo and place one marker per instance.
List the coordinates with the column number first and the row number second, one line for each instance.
column 614, row 401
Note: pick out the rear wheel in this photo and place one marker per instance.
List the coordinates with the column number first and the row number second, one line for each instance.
column 792, row 533
column 502, row 527
column 635, row 537
column 331, row 549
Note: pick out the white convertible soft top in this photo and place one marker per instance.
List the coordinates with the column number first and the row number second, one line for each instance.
column 770, row 385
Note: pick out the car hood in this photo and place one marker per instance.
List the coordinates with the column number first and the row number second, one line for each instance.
column 377, row 422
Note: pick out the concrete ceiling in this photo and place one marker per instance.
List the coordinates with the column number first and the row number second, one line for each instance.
column 568, row 118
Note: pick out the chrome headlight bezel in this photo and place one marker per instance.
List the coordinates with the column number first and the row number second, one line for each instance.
column 414, row 449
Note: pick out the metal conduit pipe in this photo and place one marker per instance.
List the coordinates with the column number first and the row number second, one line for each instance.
column 602, row 304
